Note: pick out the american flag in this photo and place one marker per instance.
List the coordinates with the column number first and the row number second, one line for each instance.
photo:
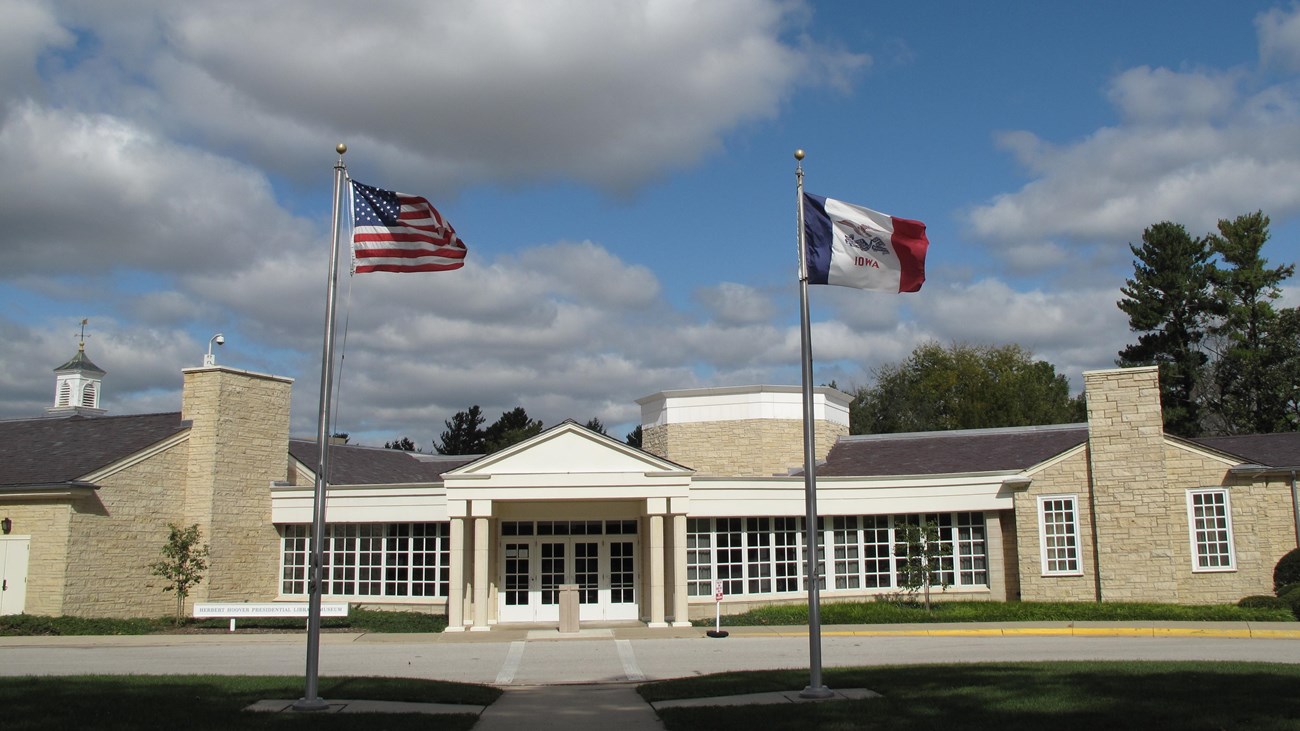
column 395, row 232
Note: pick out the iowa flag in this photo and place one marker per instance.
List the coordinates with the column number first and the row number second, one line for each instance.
column 852, row 246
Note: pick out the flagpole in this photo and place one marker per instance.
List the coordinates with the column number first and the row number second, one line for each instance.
column 815, row 689
column 311, row 700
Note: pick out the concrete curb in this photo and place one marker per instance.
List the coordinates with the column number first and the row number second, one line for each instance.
column 1233, row 630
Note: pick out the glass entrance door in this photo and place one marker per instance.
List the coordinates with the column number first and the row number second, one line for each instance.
column 534, row 567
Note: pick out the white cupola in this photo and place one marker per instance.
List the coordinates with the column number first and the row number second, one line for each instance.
column 77, row 384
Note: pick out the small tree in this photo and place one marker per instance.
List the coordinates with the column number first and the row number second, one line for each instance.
column 920, row 551
column 183, row 563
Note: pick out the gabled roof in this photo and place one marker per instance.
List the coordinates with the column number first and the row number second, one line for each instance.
column 950, row 452
column 1266, row 450
column 352, row 465
column 58, row 451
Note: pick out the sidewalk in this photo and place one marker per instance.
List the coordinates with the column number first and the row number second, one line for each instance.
column 534, row 633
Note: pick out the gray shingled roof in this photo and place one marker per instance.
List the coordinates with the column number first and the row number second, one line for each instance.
column 946, row 452
column 351, row 465
column 56, row 451
column 1269, row 450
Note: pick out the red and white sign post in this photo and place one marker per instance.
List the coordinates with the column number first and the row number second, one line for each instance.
column 717, row 611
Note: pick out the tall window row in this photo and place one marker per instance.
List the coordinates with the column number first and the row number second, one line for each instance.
column 766, row 555
column 371, row 559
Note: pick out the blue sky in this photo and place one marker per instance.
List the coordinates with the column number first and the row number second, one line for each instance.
column 622, row 172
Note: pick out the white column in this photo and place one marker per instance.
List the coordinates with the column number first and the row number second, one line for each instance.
column 456, row 577
column 657, row 571
column 681, row 607
column 995, row 562
column 480, row 576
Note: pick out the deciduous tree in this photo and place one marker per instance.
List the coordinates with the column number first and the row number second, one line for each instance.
column 182, row 564
column 964, row 387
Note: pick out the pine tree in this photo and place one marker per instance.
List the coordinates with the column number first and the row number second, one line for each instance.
column 1254, row 371
column 463, row 434
column 1168, row 301
column 513, row 427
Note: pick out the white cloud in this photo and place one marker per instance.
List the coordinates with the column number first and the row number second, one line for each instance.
column 98, row 192
column 1279, row 38
column 613, row 93
column 28, row 30
column 1193, row 149
column 1144, row 95
column 731, row 303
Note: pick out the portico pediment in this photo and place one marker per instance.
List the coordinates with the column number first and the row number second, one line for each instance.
column 568, row 461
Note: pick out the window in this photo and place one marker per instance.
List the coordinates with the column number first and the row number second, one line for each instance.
column 756, row 556
column 1209, row 517
column 1058, row 531
column 370, row 559
column 972, row 557
column 88, row 396
column 65, row 394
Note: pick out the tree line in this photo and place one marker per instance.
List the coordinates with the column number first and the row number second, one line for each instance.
column 465, row 434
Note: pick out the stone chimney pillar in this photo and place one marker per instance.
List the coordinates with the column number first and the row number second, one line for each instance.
column 1129, row 500
column 239, row 444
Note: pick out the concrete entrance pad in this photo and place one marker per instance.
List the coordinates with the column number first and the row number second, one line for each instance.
column 350, row 706
column 762, row 699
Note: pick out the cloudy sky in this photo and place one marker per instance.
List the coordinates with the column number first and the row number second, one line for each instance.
column 622, row 172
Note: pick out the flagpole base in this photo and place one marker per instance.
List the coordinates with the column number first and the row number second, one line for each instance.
column 314, row 704
column 818, row 693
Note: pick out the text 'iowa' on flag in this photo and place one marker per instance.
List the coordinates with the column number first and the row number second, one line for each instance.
column 395, row 232
column 852, row 246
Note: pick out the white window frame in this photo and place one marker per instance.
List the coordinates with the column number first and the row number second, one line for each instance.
column 1226, row 527
column 764, row 556
column 1073, row 525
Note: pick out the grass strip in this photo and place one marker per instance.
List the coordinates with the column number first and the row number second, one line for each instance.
column 1063, row 696
column 889, row 612
column 216, row 702
column 360, row 620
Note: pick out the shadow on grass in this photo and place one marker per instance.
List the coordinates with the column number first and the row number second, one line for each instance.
column 217, row 702
column 1015, row 697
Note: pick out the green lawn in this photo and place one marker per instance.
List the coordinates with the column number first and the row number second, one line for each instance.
column 212, row 702
column 358, row 620
column 1087, row 696
column 884, row 612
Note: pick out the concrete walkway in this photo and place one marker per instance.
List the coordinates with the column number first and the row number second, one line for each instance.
column 576, row 707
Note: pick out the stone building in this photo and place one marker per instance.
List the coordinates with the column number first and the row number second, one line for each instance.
column 1109, row 510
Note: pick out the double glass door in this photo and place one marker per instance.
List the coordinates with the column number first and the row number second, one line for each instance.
column 535, row 567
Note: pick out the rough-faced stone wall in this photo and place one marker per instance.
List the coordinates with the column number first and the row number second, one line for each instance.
column 239, row 444
column 46, row 522
column 739, row 448
column 118, row 532
column 1262, row 525
column 1067, row 477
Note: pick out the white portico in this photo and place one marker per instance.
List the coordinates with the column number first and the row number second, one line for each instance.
column 569, row 506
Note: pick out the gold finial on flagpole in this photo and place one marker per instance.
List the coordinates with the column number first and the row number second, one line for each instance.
column 798, row 154
column 341, row 148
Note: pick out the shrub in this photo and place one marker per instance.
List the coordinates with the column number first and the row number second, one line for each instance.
column 1262, row 601
column 1287, row 570
column 1285, row 589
